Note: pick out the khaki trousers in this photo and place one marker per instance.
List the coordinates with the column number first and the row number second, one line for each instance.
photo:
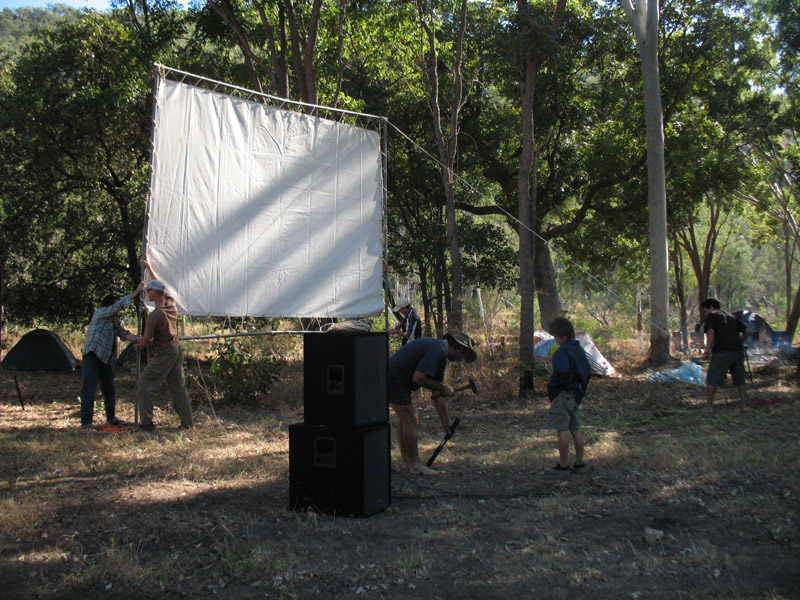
column 165, row 366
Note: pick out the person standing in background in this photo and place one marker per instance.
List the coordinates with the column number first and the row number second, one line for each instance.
column 410, row 328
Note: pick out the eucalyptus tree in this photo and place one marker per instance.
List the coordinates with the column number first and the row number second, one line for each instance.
column 447, row 139
column 278, row 40
column 774, row 144
column 644, row 18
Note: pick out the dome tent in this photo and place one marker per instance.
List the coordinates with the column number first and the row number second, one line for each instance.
column 40, row 350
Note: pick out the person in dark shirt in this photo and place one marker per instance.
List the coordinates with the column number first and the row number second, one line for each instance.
column 725, row 336
column 566, row 389
column 422, row 363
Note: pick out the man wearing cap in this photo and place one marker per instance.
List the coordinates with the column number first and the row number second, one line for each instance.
column 99, row 353
column 166, row 362
column 410, row 328
column 422, row 363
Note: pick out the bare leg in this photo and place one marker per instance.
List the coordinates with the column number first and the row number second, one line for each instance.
column 407, row 440
column 563, row 448
column 578, row 437
column 710, row 391
column 743, row 395
column 401, row 436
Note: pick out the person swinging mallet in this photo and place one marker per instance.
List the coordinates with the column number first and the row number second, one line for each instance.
column 422, row 363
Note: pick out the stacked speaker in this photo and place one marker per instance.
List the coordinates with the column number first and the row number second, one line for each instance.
column 340, row 456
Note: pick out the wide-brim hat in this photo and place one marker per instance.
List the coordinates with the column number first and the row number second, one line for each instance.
column 464, row 341
column 401, row 303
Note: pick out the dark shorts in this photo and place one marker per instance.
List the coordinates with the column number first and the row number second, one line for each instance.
column 564, row 413
column 721, row 363
column 399, row 394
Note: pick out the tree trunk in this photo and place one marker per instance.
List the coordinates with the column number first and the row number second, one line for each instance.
column 680, row 294
column 794, row 316
column 546, row 288
column 448, row 150
column 525, row 216
column 531, row 60
column 644, row 19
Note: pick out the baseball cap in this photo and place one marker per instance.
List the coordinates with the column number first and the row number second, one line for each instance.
column 401, row 303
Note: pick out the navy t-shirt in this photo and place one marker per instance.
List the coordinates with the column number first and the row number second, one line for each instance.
column 571, row 371
column 426, row 355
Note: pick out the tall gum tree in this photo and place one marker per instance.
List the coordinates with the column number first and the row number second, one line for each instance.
column 643, row 15
column 447, row 141
column 535, row 34
column 290, row 31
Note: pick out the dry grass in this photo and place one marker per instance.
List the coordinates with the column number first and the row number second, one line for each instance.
column 205, row 514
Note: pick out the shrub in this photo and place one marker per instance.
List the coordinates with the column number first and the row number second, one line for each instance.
column 243, row 368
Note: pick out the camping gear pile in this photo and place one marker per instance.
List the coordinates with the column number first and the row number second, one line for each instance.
column 545, row 346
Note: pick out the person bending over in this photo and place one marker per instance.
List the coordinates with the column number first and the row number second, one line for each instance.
column 422, row 363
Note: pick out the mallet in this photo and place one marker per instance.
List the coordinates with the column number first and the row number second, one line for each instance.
column 443, row 442
column 469, row 386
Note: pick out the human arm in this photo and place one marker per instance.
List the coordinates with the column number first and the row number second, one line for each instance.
column 562, row 377
column 148, row 333
column 400, row 328
column 441, row 412
column 123, row 333
column 138, row 290
column 709, row 342
column 429, row 383
column 111, row 311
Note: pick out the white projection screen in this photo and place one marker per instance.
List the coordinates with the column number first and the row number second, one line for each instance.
column 260, row 211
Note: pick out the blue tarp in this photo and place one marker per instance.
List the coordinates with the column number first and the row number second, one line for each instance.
column 686, row 373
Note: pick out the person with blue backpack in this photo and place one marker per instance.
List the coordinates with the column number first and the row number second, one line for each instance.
column 566, row 389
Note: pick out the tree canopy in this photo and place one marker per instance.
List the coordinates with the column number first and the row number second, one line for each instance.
column 485, row 174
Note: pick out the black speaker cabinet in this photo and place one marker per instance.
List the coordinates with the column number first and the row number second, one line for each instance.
column 344, row 379
column 340, row 471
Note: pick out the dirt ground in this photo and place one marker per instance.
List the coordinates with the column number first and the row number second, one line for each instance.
column 673, row 504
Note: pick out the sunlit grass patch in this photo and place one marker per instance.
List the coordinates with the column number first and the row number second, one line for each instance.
column 22, row 515
column 607, row 448
column 117, row 566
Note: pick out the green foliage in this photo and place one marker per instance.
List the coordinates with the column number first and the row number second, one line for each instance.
column 21, row 26
column 75, row 116
column 490, row 261
column 243, row 368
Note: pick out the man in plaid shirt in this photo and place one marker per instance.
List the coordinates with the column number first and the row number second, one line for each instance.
column 99, row 352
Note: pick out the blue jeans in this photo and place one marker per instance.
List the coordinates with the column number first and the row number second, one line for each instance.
column 95, row 370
